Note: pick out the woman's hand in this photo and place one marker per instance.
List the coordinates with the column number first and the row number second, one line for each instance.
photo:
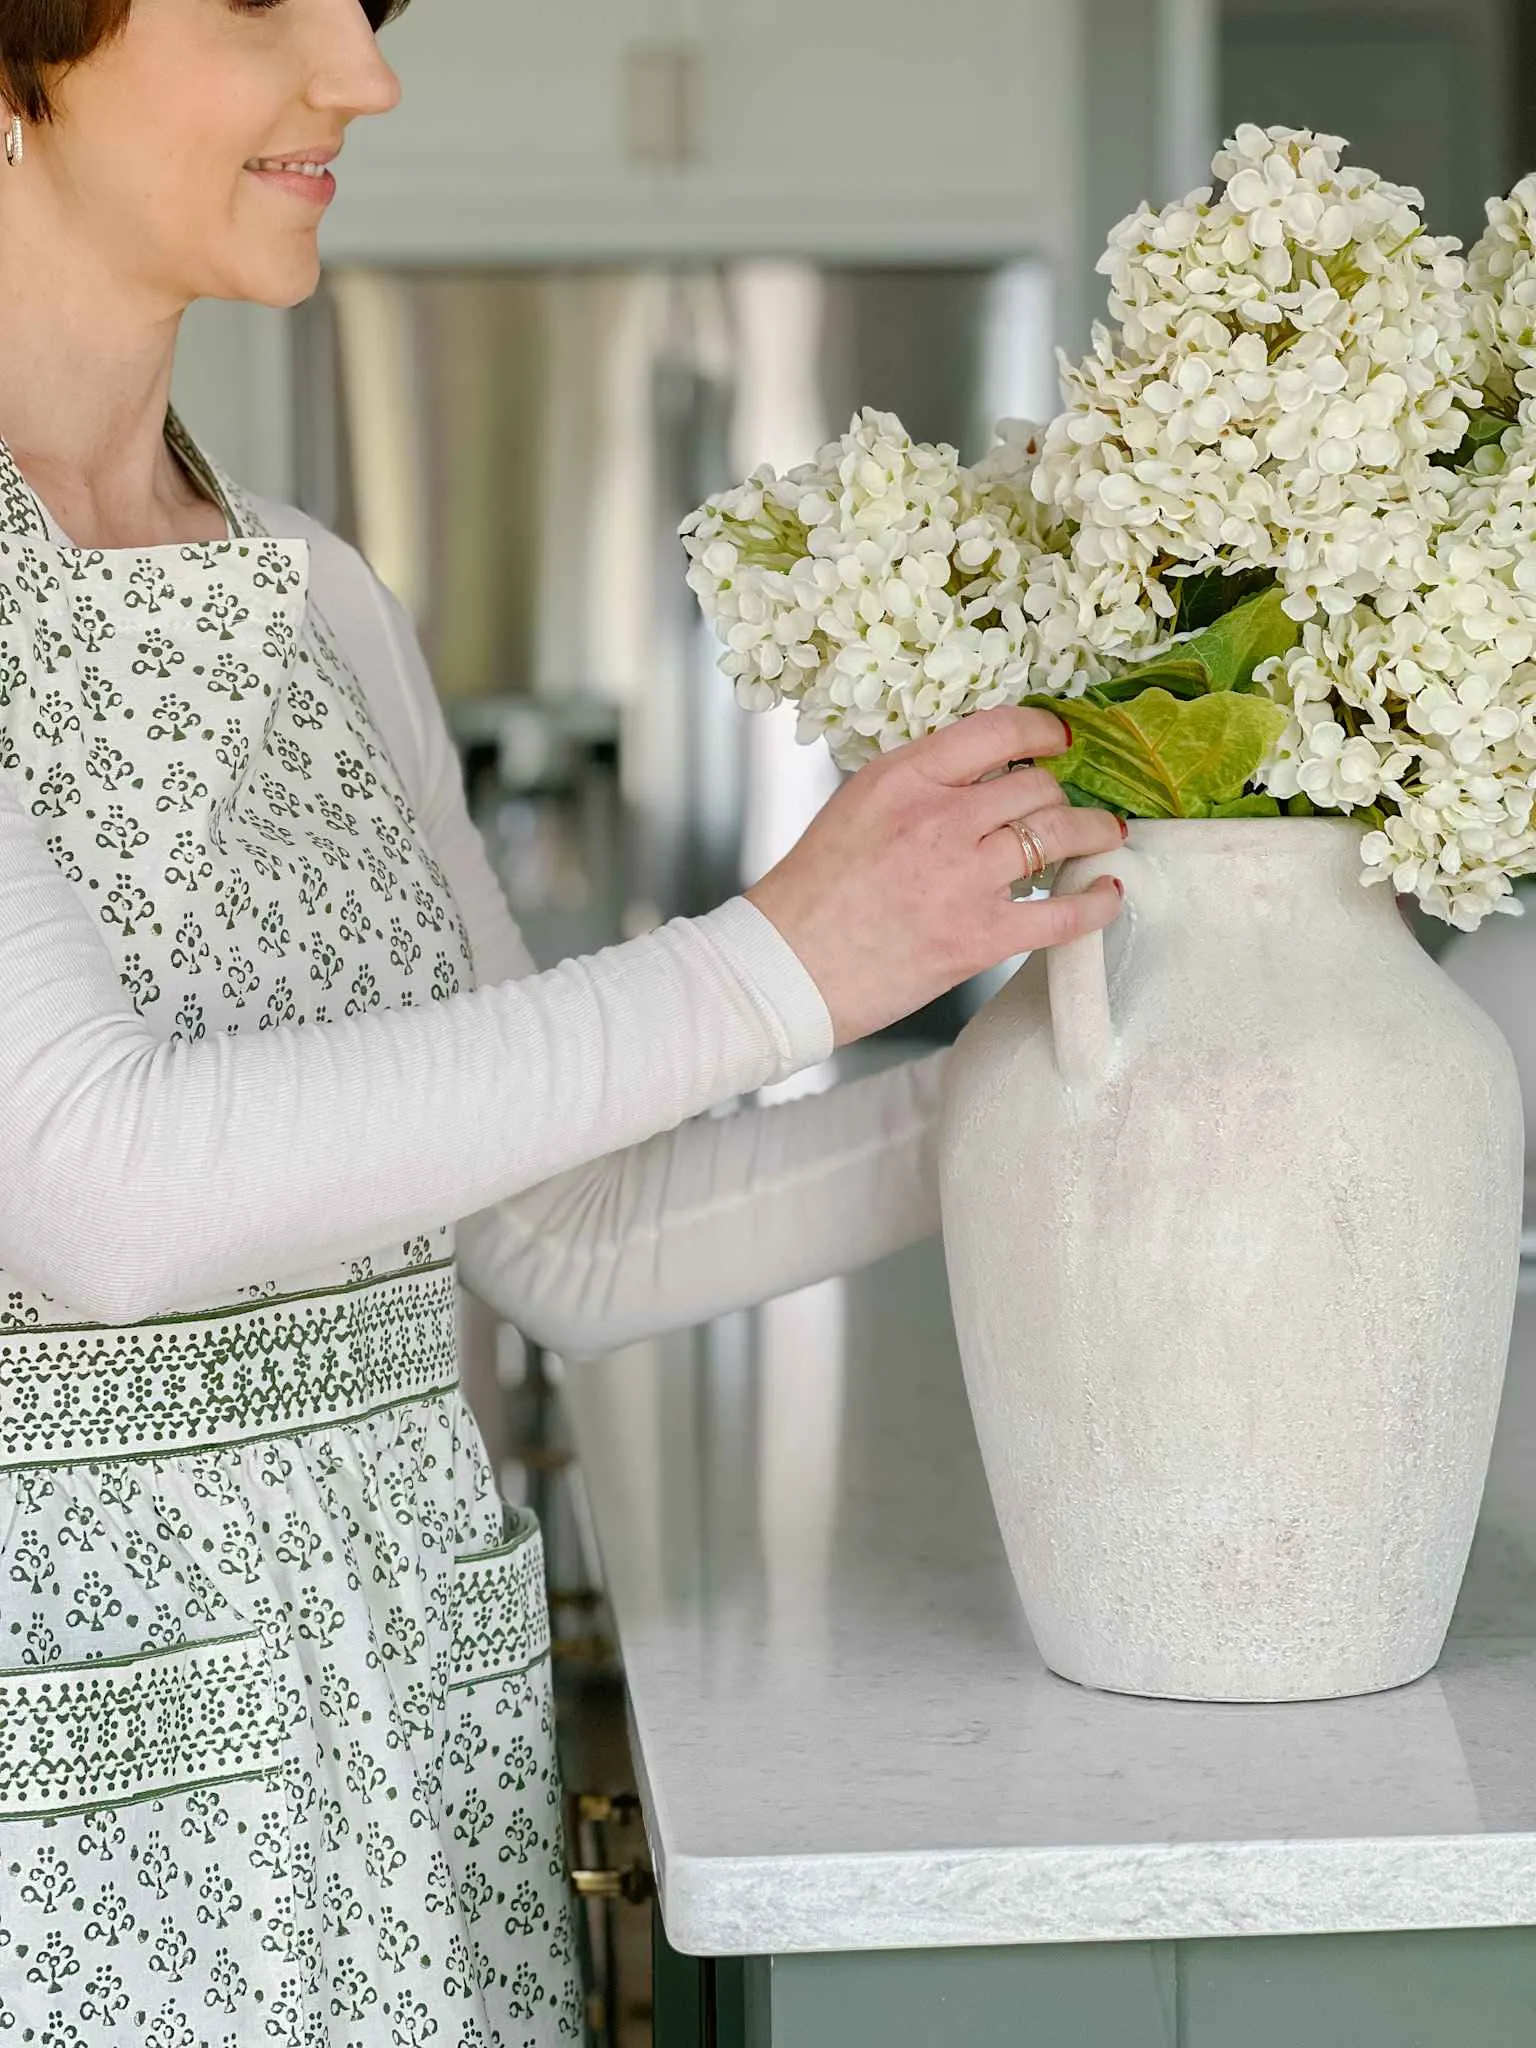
column 901, row 887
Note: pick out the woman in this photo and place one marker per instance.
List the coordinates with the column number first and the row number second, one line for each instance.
column 277, row 1762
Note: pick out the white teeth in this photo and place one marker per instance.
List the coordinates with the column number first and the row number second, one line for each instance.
column 262, row 163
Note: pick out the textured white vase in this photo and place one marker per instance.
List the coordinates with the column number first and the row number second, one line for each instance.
column 1233, row 1240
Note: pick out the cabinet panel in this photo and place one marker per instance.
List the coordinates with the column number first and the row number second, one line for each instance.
column 539, row 86
column 1118, row 1996
column 1473, row 1988
column 975, row 96
column 1466, row 1988
column 820, row 126
column 1415, row 86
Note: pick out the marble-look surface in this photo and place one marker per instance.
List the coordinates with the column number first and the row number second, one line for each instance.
column 847, row 1739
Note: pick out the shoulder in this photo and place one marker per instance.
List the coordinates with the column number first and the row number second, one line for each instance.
column 367, row 622
column 338, row 571
column 370, row 628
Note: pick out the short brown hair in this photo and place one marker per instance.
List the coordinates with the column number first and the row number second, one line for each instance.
column 38, row 37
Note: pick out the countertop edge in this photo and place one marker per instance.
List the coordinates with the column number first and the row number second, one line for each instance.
column 735, row 1906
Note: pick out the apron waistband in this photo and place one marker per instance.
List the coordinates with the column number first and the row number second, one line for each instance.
column 275, row 1367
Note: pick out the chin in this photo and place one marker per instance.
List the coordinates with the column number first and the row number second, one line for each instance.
column 294, row 294
column 281, row 282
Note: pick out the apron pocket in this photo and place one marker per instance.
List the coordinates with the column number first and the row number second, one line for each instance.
column 147, row 1850
column 502, row 1823
column 498, row 1616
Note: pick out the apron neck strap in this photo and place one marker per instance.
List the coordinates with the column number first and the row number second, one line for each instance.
column 203, row 474
column 22, row 514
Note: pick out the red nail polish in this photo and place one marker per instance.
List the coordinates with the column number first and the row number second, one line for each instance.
column 1125, row 830
column 1119, row 886
column 1068, row 730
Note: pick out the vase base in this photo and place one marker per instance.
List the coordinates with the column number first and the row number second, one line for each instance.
column 1234, row 1694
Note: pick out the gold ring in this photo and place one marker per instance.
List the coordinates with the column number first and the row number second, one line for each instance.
column 1036, row 860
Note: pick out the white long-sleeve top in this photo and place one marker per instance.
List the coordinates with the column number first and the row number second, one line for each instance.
column 550, row 1112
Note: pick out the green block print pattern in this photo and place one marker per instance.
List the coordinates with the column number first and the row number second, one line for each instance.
column 197, row 1380
column 135, row 1726
column 183, row 736
column 265, row 1700
column 277, row 1756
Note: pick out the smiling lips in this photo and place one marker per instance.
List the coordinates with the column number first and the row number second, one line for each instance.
column 305, row 174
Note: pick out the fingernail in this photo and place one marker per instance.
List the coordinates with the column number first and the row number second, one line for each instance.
column 1125, row 830
column 1068, row 730
column 1119, row 886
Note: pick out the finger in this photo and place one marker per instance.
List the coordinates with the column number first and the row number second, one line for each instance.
column 1018, row 794
column 984, row 740
column 1054, row 920
column 1063, row 833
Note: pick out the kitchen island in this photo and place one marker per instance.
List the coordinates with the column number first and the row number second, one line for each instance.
column 877, row 1820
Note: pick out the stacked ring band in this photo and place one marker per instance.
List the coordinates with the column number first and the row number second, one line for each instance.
column 1035, row 860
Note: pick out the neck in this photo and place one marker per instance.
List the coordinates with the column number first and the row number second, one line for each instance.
column 1243, row 872
column 85, row 378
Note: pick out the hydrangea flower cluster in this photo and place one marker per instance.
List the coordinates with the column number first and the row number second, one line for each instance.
column 1501, row 270
column 886, row 588
column 1420, row 704
column 1302, row 392
column 1289, row 359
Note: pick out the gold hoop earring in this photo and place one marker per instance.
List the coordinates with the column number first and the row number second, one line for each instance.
column 15, row 142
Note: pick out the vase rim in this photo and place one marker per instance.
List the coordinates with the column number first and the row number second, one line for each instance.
column 1248, row 828
column 1276, row 849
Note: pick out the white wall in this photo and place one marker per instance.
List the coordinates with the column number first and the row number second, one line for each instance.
column 233, row 387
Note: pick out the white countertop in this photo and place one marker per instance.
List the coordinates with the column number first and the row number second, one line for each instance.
column 845, row 1736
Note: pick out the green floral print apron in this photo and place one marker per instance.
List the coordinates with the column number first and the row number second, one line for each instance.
column 276, row 1744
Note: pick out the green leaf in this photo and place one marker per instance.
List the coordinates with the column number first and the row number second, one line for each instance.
column 1483, row 428
column 1203, row 599
column 1179, row 674
column 1080, row 799
column 1161, row 757
column 1254, row 806
column 1223, row 656
column 1234, row 646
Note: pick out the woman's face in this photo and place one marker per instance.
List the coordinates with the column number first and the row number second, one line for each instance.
column 170, row 146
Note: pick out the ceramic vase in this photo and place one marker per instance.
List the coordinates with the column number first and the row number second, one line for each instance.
column 1231, row 1201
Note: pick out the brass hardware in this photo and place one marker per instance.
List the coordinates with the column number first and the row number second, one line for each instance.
column 634, row 1884
column 592, row 1649
column 618, row 1807
column 582, row 1598
column 540, row 1458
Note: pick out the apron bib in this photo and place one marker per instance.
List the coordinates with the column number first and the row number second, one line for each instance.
column 276, row 1746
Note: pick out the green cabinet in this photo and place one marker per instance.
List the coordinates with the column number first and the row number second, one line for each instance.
column 1471, row 1988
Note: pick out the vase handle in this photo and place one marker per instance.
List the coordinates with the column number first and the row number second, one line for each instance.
column 1082, row 1025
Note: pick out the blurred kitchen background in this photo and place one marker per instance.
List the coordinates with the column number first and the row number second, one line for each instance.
column 606, row 258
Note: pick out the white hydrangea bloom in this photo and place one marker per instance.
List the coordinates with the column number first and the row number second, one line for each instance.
column 887, row 589
column 1424, row 707
column 1501, row 270
column 1289, row 357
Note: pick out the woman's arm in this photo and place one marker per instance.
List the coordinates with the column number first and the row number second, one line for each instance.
column 723, row 1212
column 137, row 1176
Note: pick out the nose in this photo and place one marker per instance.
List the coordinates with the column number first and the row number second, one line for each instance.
column 350, row 76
